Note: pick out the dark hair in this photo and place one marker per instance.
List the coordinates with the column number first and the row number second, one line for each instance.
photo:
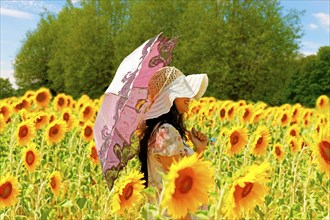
column 174, row 118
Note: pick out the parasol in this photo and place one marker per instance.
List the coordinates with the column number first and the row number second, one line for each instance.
column 124, row 103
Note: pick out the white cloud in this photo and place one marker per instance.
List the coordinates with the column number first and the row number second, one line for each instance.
column 34, row 7
column 75, row 1
column 307, row 53
column 15, row 13
column 311, row 45
column 312, row 26
column 9, row 73
column 324, row 20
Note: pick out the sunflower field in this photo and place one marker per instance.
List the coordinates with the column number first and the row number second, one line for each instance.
column 262, row 162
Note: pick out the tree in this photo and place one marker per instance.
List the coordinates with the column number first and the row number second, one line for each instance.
column 6, row 89
column 31, row 63
column 246, row 47
column 311, row 79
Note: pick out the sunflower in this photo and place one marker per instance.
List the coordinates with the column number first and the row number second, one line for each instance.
column 257, row 115
column 260, row 141
column 294, row 144
column 238, row 138
column 43, row 97
column 278, row 151
column 186, row 185
column 25, row 132
column 87, row 131
column 55, row 132
column 293, row 131
column 29, row 94
column 22, row 104
column 3, row 124
column 222, row 112
column 31, row 157
column 241, row 103
column 5, row 110
column 40, row 120
column 93, row 152
column 321, row 150
column 68, row 117
column 69, row 101
column 60, row 101
column 284, row 118
column 248, row 189
column 296, row 111
column 55, row 182
column 231, row 109
column 9, row 190
column 247, row 114
column 52, row 117
column 127, row 192
column 322, row 102
column 87, row 112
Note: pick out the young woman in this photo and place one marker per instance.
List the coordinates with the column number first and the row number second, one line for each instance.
column 163, row 141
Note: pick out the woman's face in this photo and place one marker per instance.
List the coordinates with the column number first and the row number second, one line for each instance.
column 182, row 104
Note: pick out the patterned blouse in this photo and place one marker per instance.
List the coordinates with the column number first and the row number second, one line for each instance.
column 165, row 140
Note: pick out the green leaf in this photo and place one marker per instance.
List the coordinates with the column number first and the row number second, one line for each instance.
column 258, row 210
column 67, row 203
column 202, row 214
column 81, row 202
column 319, row 177
column 45, row 212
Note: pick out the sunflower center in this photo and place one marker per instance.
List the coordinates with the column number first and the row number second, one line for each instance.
column 94, row 153
column 3, row 110
column 293, row 133
column 86, row 111
column 19, row 106
column 39, row 119
column 295, row 112
column 127, row 192
column 234, row 138
column 29, row 157
column 278, row 151
column 230, row 111
column 53, row 130
column 88, row 131
column 66, row 117
column 5, row 190
column 284, row 118
column 41, row 97
column 321, row 102
column 184, row 182
column 246, row 113
column 61, row 101
column 259, row 140
column 23, row 131
column 222, row 113
column 325, row 151
column 247, row 189
column 53, row 182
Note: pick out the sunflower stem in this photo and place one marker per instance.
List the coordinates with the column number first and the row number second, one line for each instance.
column 218, row 213
column 305, row 189
column 11, row 146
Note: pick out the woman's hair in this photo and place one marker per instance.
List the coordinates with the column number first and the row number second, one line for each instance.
column 172, row 117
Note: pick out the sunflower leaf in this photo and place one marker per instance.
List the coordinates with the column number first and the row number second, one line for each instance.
column 81, row 202
column 258, row 210
column 67, row 203
column 319, row 177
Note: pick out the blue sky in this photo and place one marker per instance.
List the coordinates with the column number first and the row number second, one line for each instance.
column 20, row 16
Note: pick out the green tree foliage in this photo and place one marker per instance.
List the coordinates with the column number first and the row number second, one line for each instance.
column 6, row 89
column 246, row 47
column 310, row 79
column 31, row 63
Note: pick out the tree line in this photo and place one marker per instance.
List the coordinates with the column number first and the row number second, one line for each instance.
column 249, row 49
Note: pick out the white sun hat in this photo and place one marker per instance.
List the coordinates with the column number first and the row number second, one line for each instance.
column 170, row 83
